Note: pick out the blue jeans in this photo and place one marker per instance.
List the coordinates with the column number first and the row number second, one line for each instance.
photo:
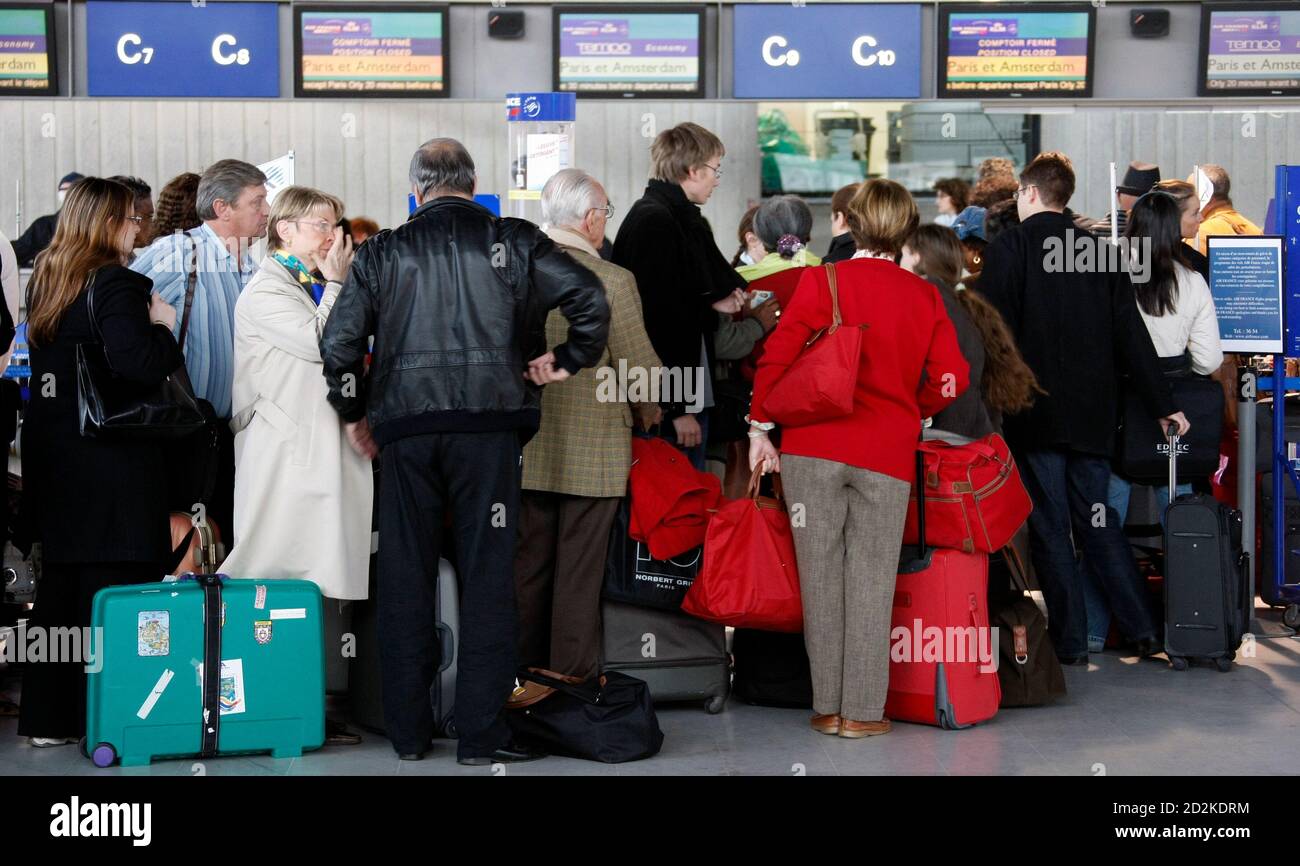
column 1066, row 488
column 1094, row 596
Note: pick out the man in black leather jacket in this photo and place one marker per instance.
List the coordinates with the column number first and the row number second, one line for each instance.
column 456, row 300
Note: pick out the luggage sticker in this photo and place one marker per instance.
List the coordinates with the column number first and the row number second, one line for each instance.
column 259, row 598
column 232, row 686
column 289, row 613
column 153, row 633
column 155, row 693
column 262, row 631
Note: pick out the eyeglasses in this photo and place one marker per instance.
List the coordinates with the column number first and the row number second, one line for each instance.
column 717, row 170
column 1021, row 190
column 136, row 219
column 607, row 210
column 319, row 225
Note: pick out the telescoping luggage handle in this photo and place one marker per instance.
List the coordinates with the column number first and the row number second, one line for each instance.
column 211, row 719
column 920, row 503
column 1172, row 430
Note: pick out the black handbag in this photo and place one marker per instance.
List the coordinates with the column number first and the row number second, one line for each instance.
column 1144, row 450
column 165, row 411
column 633, row 576
column 608, row 719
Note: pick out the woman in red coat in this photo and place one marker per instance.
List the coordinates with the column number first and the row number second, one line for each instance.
column 852, row 474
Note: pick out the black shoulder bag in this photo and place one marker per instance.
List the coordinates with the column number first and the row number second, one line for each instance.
column 165, row 411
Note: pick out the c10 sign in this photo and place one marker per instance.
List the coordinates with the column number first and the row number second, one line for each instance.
column 840, row 51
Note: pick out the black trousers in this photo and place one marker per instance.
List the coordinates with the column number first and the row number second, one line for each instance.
column 475, row 476
column 54, row 693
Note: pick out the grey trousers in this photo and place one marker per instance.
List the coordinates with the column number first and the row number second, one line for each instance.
column 847, row 539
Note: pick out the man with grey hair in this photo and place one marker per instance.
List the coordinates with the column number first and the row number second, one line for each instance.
column 576, row 468
column 456, row 300
column 201, row 273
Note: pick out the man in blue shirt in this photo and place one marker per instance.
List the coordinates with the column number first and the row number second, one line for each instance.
column 232, row 203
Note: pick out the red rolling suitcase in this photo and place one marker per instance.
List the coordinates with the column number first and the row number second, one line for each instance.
column 943, row 656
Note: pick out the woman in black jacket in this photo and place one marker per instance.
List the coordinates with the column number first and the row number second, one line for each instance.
column 681, row 274
column 97, row 507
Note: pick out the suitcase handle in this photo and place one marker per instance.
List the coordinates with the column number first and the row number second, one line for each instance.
column 447, row 644
column 920, row 503
column 203, row 579
column 1172, row 434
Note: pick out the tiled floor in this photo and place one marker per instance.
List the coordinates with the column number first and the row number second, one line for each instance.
column 1122, row 717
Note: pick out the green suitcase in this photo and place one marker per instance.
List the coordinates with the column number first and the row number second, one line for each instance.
column 149, row 699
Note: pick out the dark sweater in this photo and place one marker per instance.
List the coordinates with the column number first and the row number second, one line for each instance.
column 680, row 273
column 967, row 415
column 1079, row 332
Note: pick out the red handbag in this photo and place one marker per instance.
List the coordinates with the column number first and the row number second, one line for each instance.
column 974, row 498
column 821, row 382
column 749, row 578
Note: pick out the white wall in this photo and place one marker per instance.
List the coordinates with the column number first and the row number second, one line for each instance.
column 43, row 139
column 1247, row 145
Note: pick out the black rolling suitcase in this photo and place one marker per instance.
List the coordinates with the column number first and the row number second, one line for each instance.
column 1207, row 608
column 1264, row 567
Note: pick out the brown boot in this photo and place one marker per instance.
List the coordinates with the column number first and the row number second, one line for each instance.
column 856, row 730
column 828, row 724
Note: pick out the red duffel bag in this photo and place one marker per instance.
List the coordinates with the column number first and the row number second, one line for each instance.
column 974, row 498
column 749, row 578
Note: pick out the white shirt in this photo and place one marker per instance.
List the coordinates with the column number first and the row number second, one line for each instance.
column 1192, row 326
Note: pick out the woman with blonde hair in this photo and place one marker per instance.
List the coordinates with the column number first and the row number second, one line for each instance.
column 853, row 474
column 97, row 506
column 302, row 495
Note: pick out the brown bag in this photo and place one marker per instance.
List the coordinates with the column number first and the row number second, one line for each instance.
column 1028, row 670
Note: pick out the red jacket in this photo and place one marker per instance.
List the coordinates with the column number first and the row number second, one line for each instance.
column 911, row 365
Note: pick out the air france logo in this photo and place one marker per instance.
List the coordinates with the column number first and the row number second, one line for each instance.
column 532, row 107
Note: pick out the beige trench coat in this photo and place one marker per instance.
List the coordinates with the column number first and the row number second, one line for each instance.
column 303, row 497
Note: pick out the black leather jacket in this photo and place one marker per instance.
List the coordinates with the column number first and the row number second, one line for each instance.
column 456, row 300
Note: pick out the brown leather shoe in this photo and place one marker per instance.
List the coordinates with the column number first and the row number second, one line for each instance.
column 856, row 730
column 828, row 724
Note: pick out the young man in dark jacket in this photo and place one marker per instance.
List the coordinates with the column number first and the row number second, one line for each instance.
column 681, row 274
column 1078, row 331
column 456, row 300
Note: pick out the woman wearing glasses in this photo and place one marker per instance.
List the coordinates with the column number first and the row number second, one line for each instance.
column 302, row 495
column 98, row 506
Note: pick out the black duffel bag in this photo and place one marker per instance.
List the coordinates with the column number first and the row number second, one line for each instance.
column 608, row 719
column 1143, row 448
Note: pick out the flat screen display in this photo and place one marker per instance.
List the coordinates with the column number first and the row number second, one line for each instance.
column 628, row 51
column 27, row 61
column 1250, row 50
column 370, row 50
column 1016, row 51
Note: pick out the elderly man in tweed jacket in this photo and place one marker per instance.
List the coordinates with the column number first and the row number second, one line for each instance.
column 576, row 467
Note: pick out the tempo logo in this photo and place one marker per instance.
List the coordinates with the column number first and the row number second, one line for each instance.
column 130, row 820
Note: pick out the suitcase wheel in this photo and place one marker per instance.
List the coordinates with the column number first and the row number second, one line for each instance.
column 1179, row 663
column 1291, row 616
column 104, row 755
column 1223, row 665
column 714, row 705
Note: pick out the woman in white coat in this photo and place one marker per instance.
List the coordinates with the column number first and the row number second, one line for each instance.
column 303, row 483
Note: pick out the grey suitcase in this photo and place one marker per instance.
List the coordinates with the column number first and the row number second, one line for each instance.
column 365, row 681
column 679, row 657
column 1207, row 607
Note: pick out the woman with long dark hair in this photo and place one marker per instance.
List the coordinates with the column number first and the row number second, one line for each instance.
column 98, row 507
column 1178, row 310
column 1006, row 384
